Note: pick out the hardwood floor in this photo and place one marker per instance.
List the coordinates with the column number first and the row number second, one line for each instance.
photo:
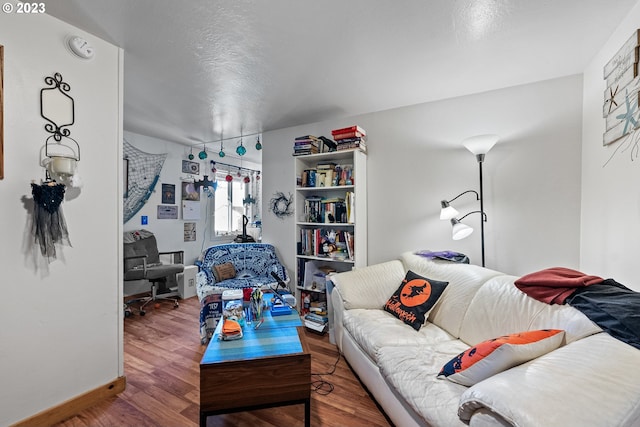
column 162, row 353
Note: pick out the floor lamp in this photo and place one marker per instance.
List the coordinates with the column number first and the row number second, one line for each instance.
column 479, row 146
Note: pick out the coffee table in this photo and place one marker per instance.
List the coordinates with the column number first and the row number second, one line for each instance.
column 270, row 366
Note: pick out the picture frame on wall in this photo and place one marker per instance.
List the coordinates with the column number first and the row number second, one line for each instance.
column 190, row 167
column 168, row 194
column 167, row 212
column 190, row 191
column 189, row 231
column 1, row 112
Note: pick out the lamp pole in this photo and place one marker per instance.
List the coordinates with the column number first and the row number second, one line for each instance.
column 480, row 158
column 480, row 145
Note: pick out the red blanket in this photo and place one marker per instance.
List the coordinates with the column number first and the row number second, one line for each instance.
column 554, row 285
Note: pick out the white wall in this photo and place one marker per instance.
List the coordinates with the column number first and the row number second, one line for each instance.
column 532, row 176
column 610, row 232
column 170, row 232
column 61, row 322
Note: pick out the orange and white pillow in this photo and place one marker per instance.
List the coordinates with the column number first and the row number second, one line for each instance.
column 499, row 354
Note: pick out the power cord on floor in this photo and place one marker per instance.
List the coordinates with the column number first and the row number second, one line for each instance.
column 321, row 386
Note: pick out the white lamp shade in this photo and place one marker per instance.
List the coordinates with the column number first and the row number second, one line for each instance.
column 460, row 230
column 480, row 144
column 447, row 211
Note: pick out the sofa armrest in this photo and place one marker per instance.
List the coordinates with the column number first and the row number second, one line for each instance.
column 337, row 306
column 593, row 381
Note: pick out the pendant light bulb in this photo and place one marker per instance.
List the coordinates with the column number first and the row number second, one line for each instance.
column 258, row 145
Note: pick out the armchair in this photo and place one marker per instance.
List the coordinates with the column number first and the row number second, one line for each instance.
column 142, row 262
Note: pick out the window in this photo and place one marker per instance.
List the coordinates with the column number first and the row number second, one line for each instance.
column 228, row 210
column 229, row 204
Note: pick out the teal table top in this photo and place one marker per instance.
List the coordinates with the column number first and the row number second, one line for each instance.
column 276, row 336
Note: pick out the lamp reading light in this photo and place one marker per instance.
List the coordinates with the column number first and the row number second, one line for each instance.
column 447, row 211
column 459, row 230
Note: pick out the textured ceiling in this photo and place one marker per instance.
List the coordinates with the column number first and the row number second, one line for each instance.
column 201, row 70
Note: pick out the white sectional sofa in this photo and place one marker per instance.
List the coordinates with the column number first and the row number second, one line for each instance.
column 591, row 380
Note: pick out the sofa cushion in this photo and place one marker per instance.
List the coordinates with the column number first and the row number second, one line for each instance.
column 499, row 354
column 369, row 287
column 592, row 382
column 411, row 372
column 414, row 298
column 499, row 308
column 464, row 281
column 375, row 328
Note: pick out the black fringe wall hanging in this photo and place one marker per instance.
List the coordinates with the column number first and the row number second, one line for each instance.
column 49, row 227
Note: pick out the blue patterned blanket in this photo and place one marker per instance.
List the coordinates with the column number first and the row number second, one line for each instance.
column 253, row 263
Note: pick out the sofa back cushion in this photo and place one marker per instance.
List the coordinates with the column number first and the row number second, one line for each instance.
column 369, row 287
column 464, row 281
column 499, row 308
column 248, row 259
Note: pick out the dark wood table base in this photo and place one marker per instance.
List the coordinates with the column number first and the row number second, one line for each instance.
column 306, row 402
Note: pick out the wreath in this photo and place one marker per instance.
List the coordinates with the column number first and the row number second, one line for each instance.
column 281, row 204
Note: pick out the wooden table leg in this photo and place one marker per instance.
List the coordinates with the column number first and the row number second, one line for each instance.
column 307, row 413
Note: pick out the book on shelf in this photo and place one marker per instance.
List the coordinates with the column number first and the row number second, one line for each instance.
column 307, row 138
column 307, row 144
column 326, row 166
column 314, row 327
column 313, row 317
column 318, row 310
column 354, row 128
column 352, row 146
column 355, row 134
column 357, row 139
column 350, row 245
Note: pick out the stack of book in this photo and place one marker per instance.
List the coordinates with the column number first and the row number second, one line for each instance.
column 316, row 322
column 350, row 137
column 307, row 144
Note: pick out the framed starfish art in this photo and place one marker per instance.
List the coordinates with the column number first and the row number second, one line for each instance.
column 621, row 102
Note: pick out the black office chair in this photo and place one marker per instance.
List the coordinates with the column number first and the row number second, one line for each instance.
column 142, row 262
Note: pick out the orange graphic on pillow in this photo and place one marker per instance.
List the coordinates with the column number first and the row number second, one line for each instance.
column 415, row 292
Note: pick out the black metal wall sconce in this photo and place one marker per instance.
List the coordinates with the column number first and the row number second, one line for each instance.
column 61, row 152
